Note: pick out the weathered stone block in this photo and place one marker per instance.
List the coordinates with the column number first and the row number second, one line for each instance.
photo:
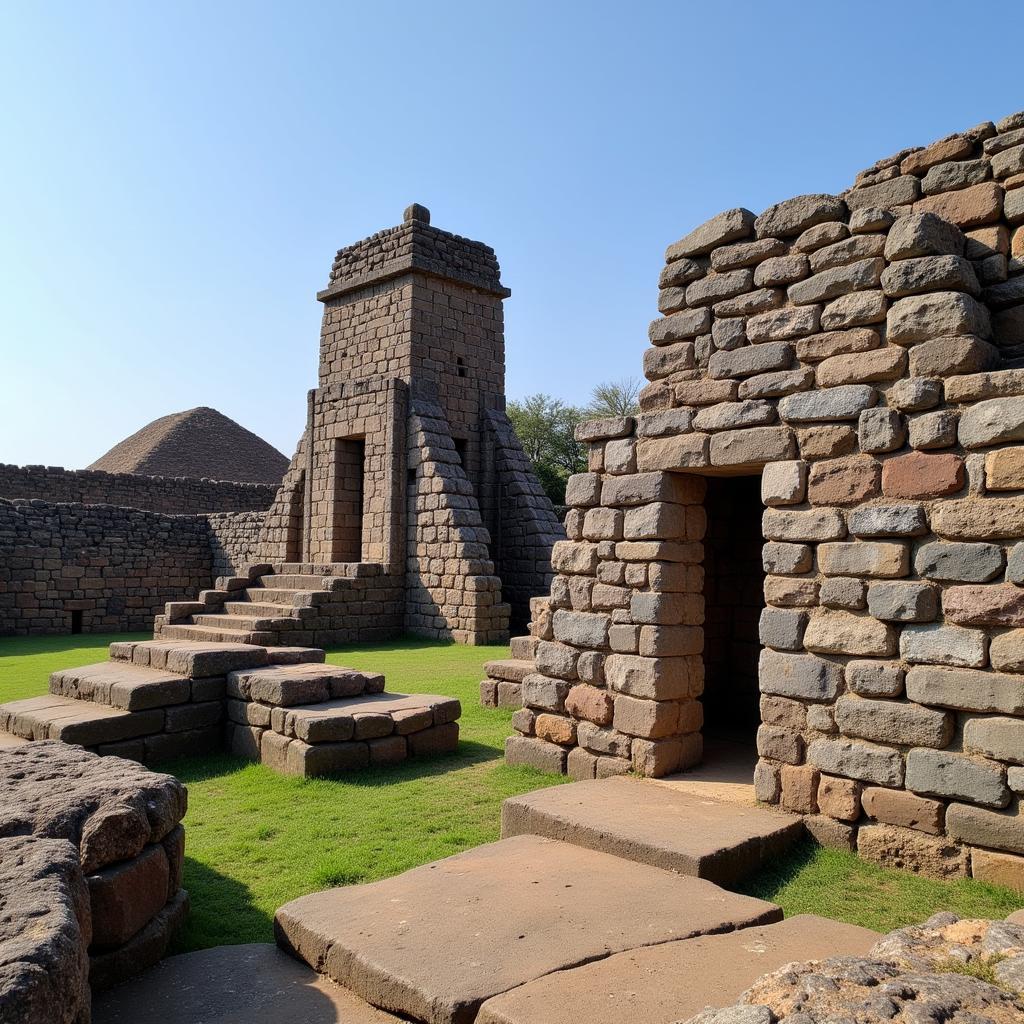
column 929, row 274
column 917, row 475
column 650, row 719
column 887, row 194
column 1004, row 470
column 998, row 869
column 855, row 310
column 998, row 738
column 839, row 632
column 995, row 605
column 784, row 324
column 888, row 521
column 840, row 403
column 786, row 558
column 967, row 563
column 751, row 360
column 910, row 850
column 779, row 744
column 934, row 429
column 954, row 776
column 923, row 234
column 855, row 759
column 945, row 357
column 826, row 441
column 782, row 628
column 683, row 451
column 915, row 394
column 781, row 270
column 874, row 678
column 993, row 422
column 883, row 559
column 1006, row 651
column 829, row 284
column 839, row 798
column 653, row 678
column 783, row 592
column 921, row 317
column 903, row 602
column 784, row 483
column 966, row 207
column 552, row 659
column 943, row 645
column 681, row 326
column 815, row 525
column 644, row 488
column 991, row 519
column 582, row 629
column 844, row 592
column 897, row 723
column 999, row 831
column 715, row 287
column 966, row 690
column 670, row 640
column 801, row 676
column 767, row 783
column 795, row 215
column 799, row 788
column 880, row 430
column 754, row 446
column 535, row 753
column 898, row 807
column 725, row 227
column 555, row 729
column 836, row 343
column 844, row 481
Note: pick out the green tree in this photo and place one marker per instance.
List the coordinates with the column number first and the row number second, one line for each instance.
column 615, row 398
column 546, row 429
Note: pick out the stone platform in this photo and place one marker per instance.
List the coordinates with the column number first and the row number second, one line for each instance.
column 248, row 984
column 673, row 981
column 651, row 823
column 436, row 942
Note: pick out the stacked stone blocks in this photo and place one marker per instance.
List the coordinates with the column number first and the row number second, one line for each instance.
column 859, row 353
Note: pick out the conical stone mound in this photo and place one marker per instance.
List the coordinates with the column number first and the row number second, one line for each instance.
column 198, row 443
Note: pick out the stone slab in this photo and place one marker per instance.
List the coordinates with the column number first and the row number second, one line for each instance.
column 317, row 722
column 435, row 942
column 121, row 684
column 651, row 824
column 249, row 984
column 76, row 721
column 677, row 980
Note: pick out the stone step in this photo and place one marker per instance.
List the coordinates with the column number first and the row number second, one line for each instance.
column 121, row 684
column 438, row 941
column 513, row 670
column 651, row 823
column 298, row 581
column 244, row 623
column 255, row 983
column 255, row 609
column 288, row 685
column 523, row 647
column 677, row 980
column 197, row 659
column 211, row 635
column 76, row 721
column 271, row 595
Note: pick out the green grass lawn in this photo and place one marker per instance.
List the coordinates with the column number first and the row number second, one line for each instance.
column 257, row 839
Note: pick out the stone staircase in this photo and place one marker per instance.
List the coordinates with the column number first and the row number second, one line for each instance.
column 609, row 883
column 271, row 605
column 503, row 687
column 283, row 706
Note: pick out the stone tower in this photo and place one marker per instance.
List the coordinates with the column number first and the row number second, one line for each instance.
column 408, row 462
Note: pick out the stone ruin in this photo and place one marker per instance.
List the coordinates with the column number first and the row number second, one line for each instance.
column 811, row 533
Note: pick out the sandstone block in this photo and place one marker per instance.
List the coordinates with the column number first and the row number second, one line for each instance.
column 745, row 254
column 582, row 629
column 896, row 723
column 843, row 251
column 855, row 310
column 886, row 363
column 839, row 798
column 544, row 693
column 814, row 525
column 895, row 192
column 656, row 758
column 998, row 868
column 836, row 343
column 777, row 384
column 784, row 483
column 954, row 776
column 667, row 421
column 830, row 284
column 868, row 218
column 704, row 392
column 781, row 270
column 680, row 272
column 604, row 428
column 838, row 403
column 934, row 429
column 649, row 719
column 839, row 632
column 828, row 832
column 954, row 175
column 943, row 645
column 910, row 850
column 643, row 488
column 732, row 415
column 574, row 557
column 991, row 519
column 966, row 690
column 751, row 360
column 782, row 628
column 915, row 394
column 953, row 147
column 126, row 896
column 874, row 678
column 795, row 215
column 551, row 659
column 998, row 738
column 725, row 227
column 995, row 605
column 923, row 234
column 658, row 520
column 799, row 788
column 783, row 324
column 535, row 753
column 920, row 317
column 683, row 451
column 944, row 357
column 917, row 475
column 1004, row 470
column 801, row 676
column 652, row 678
column 583, row 490
column 715, row 287
column 1006, row 651
column 884, row 559
column 555, row 729
column 855, row 759
column 670, row 640
column 783, row 592
column 929, row 274
column 749, row 303
column 999, row 831
column 754, row 446
column 898, row 807
column 967, row 563
column 767, row 783
column 826, row 441
column 779, row 744
column 993, row 422
column 681, row 326
column 843, row 481
column 968, row 207
column 843, row 592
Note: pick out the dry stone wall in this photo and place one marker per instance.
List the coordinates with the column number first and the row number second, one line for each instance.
column 858, row 353
column 171, row 495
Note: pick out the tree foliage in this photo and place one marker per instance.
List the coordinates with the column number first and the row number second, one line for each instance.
column 546, row 429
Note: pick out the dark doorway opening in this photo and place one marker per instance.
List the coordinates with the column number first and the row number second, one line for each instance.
column 461, row 448
column 76, row 621
column 733, row 599
column 347, row 532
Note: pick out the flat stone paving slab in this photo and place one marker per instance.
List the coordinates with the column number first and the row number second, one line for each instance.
column 435, row 942
column 249, row 984
column 121, row 684
column 655, row 825
column 51, row 717
column 674, row 981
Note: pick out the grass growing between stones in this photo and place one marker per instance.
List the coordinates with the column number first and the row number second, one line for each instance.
column 257, row 839
column 838, row 884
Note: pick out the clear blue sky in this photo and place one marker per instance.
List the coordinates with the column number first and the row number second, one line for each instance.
column 176, row 177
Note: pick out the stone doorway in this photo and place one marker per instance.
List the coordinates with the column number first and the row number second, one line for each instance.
column 733, row 600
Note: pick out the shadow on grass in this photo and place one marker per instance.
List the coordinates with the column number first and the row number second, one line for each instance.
column 767, row 883
column 468, row 754
column 223, row 911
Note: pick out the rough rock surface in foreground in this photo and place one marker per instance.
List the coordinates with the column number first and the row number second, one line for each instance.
column 106, row 807
column 44, row 931
column 945, row 971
